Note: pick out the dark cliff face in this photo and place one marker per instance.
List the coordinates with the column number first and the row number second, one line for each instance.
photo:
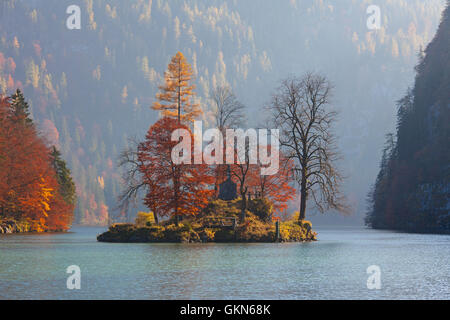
column 412, row 190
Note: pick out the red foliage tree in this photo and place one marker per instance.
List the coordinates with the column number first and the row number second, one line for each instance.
column 172, row 189
column 29, row 189
column 277, row 187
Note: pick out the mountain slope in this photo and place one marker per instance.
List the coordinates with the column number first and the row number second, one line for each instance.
column 412, row 191
column 91, row 89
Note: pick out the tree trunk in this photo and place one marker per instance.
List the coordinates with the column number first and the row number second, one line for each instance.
column 303, row 196
column 244, row 204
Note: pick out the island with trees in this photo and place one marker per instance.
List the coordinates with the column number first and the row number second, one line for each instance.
column 232, row 202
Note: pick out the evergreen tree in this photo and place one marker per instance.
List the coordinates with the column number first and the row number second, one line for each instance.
column 21, row 109
column 412, row 188
column 66, row 184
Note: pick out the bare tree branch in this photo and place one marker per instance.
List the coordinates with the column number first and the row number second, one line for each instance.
column 228, row 111
column 131, row 176
column 300, row 109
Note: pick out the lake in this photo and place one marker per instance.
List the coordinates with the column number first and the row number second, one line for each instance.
column 412, row 266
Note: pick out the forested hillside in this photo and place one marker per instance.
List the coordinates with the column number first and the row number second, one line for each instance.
column 90, row 89
column 412, row 190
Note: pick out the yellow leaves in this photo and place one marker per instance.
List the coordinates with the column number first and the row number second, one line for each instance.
column 176, row 94
column 90, row 11
column 124, row 94
column 48, row 83
column 33, row 74
column 111, row 11
column 16, row 43
column 33, row 16
column 45, row 195
column 146, row 12
column 142, row 218
column 38, row 226
column 101, row 182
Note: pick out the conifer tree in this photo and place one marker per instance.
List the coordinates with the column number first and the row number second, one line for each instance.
column 174, row 98
column 63, row 175
column 21, row 109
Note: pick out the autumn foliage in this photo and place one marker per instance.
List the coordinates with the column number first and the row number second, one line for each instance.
column 179, row 190
column 30, row 188
column 172, row 189
column 277, row 188
column 175, row 96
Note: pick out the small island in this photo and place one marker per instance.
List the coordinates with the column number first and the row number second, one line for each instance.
column 227, row 184
column 218, row 222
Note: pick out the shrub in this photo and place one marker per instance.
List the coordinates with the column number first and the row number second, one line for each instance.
column 262, row 208
column 307, row 224
column 220, row 208
column 144, row 219
column 254, row 230
column 207, row 235
column 122, row 227
column 292, row 231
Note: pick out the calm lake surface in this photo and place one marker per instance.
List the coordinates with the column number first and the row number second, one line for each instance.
column 412, row 267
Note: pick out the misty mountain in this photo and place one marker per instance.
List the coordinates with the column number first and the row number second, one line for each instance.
column 90, row 89
column 412, row 190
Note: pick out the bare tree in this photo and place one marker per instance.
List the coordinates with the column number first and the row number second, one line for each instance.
column 228, row 113
column 300, row 109
column 132, row 178
column 241, row 171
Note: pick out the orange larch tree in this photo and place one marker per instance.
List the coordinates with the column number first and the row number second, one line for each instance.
column 175, row 96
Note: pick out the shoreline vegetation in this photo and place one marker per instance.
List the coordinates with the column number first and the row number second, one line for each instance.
column 219, row 222
column 37, row 193
column 12, row 226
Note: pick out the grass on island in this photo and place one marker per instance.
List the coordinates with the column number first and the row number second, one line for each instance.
column 257, row 226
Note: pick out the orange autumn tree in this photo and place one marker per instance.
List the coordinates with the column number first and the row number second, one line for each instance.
column 4, row 102
column 173, row 190
column 26, row 190
column 29, row 186
column 174, row 98
column 276, row 188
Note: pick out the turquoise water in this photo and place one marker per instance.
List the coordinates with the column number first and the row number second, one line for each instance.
column 412, row 267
